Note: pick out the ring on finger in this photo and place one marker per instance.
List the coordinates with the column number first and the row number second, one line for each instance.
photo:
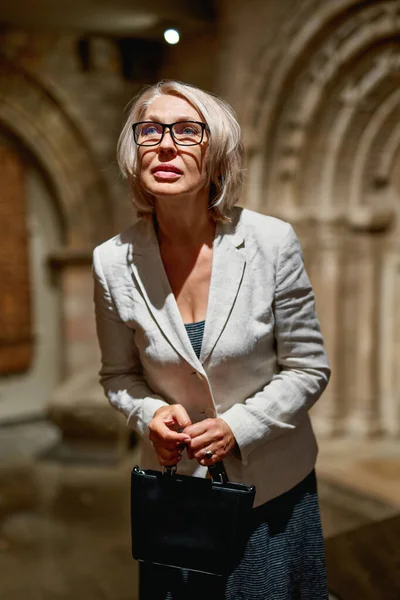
column 208, row 454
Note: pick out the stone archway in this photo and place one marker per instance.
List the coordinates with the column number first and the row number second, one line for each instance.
column 325, row 143
column 338, row 68
column 41, row 123
column 59, row 156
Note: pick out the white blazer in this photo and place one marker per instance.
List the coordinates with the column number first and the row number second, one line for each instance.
column 262, row 364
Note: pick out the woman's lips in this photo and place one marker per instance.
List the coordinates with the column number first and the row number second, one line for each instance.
column 166, row 173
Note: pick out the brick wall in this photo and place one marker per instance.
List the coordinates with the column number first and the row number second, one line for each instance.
column 16, row 346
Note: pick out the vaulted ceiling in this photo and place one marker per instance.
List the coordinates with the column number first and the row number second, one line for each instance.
column 136, row 18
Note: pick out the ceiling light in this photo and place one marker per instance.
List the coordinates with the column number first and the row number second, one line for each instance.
column 171, row 36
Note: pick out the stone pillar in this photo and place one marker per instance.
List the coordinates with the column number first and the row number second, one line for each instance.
column 79, row 322
column 91, row 429
column 326, row 275
column 389, row 343
column 363, row 409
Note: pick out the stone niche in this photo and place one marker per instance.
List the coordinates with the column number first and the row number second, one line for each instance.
column 70, row 143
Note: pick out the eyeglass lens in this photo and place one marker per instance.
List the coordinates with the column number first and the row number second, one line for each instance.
column 185, row 133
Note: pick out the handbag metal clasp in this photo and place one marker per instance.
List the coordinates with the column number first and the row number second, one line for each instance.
column 218, row 473
column 138, row 470
column 170, row 470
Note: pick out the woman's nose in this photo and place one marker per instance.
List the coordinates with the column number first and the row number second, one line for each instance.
column 167, row 143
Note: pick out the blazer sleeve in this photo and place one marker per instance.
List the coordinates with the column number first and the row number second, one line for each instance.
column 304, row 370
column 121, row 373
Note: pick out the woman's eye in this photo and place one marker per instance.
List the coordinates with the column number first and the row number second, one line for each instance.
column 187, row 130
column 149, row 130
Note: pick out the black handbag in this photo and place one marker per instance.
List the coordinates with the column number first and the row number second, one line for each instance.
column 189, row 522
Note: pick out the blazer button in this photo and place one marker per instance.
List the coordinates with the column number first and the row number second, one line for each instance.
column 210, row 413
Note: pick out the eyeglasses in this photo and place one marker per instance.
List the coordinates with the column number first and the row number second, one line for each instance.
column 184, row 133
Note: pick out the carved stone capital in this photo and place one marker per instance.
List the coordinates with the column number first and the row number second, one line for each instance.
column 376, row 215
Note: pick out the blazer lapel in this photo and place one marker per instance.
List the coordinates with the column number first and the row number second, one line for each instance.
column 227, row 274
column 149, row 273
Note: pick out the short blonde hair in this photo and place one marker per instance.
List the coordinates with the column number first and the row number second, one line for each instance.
column 224, row 168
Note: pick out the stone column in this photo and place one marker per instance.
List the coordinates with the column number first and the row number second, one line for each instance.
column 91, row 429
column 363, row 403
column 389, row 338
column 326, row 275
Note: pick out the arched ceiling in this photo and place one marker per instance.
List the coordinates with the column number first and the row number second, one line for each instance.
column 115, row 17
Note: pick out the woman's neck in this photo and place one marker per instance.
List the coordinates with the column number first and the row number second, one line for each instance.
column 189, row 228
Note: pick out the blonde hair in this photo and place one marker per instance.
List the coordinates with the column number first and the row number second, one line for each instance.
column 224, row 168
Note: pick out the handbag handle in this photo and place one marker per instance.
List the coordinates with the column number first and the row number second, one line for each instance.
column 217, row 472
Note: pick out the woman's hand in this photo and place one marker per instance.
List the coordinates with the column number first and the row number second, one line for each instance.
column 164, row 433
column 212, row 435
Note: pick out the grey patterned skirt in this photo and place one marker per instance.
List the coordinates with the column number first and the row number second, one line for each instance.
column 283, row 560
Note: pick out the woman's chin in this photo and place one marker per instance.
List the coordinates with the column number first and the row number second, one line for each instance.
column 166, row 189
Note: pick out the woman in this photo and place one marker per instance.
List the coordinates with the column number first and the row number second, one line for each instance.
column 210, row 343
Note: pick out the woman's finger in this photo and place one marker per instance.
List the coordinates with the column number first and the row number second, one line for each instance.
column 199, row 428
column 168, row 457
column 164, row 425
column 218, row 450
column 213, row 432
column 218, row 454
column 174, row 416
column 180, row 415
column 160, row 431
column 214, row 435
column 202, row 441
column 160, row 435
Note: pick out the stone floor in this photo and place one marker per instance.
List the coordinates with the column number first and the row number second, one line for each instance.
column 369, row 467
column 364, row 562
column 68, row 536
column 64, row 528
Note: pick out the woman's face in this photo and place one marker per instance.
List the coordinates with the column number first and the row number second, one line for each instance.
column 169, row 169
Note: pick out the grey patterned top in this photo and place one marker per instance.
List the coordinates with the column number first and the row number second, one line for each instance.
column 195, row 332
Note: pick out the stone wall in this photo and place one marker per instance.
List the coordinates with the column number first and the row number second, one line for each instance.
column 68, row 114
column 63, row 116
column 320, row 115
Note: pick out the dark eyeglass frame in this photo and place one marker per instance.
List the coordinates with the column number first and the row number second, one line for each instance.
column 204, row 127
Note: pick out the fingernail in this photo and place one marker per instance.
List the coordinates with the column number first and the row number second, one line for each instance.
column 187, row 439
